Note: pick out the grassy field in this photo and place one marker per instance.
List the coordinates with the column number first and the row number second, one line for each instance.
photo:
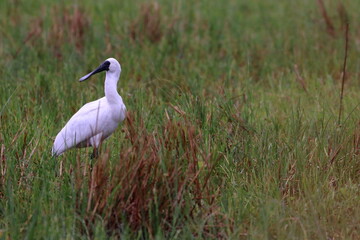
column 232, row 129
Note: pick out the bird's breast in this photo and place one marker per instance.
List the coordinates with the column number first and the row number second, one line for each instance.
column 118, row 112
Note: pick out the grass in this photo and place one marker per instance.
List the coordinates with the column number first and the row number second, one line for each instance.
column 232, row 128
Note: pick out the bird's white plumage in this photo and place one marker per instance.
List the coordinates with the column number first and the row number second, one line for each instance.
column 96, row 120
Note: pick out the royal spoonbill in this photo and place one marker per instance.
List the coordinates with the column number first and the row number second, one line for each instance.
column 96, row 120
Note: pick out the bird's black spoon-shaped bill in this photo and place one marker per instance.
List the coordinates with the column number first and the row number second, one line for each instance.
column 103, row 67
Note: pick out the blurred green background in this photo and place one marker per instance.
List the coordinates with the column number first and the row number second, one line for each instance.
column 257, row 82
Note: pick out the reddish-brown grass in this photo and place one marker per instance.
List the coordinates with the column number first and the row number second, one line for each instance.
column 156, row 175
column 330, row 29
column 149, row 24
column 67, row 25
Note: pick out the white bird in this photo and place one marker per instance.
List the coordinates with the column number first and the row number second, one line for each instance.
column 96, row 120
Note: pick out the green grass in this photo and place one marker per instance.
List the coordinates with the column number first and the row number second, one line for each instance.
column 222, row 140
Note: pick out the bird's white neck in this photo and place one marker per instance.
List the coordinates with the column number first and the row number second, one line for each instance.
column 111, row 92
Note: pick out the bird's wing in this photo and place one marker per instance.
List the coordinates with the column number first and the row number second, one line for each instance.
column 88, row 109
column 81, row 127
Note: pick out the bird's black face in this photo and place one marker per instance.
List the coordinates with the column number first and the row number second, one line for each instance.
column 103, row 67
